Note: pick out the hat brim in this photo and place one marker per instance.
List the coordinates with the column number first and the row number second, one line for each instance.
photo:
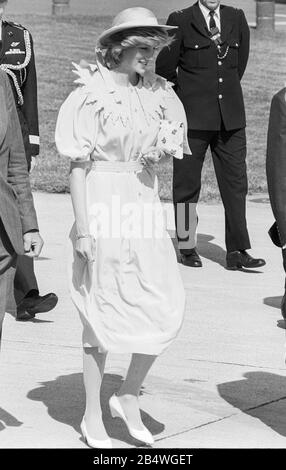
column 116, row 29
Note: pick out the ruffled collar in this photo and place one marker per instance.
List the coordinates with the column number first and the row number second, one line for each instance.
column 92, row 77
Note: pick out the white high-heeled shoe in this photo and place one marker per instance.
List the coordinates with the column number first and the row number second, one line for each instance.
column 96, row 443
column 116, row 410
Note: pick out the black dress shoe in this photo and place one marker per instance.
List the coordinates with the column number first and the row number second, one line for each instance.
column 241, row 259
column 192, row 259
column 29, row 306
column 24, row 316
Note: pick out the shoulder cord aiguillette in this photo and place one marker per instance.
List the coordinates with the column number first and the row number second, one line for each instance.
column 8, row 68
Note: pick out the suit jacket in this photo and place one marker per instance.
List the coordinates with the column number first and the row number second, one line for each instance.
column 276, row 161
column 209, row 87
column 18, row 60
column 16, row 202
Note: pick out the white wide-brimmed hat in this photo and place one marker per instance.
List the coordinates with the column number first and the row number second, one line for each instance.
column 137, row 17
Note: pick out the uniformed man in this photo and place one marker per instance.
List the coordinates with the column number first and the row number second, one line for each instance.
column 17, row 60
column 206, row 62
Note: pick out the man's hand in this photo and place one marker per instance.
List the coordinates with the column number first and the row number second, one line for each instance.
column 34, row 163
column 33, row 244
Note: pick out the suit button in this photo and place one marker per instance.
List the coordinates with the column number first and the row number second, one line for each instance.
column 219, row 62
column 220, row 97
column 220, row 80
column 196, row 46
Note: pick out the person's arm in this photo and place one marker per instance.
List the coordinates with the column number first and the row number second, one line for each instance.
column 243, row 51
column 276, row 161
column 175, row 111
column 18, row 178
column 172, row 140
column 85, row 244
column 168, row 59
column 30, row 106
column 76, row 133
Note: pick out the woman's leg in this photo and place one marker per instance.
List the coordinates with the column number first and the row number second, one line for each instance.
column 129, row 391
column 93, row 369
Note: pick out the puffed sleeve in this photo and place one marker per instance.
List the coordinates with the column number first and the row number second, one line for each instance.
column 77, row 126
column 174, row 111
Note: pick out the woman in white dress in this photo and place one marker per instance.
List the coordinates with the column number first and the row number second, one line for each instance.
column 123, row 273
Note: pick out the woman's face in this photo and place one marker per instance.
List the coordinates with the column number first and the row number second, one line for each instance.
column 137, row 59
column 2, row 8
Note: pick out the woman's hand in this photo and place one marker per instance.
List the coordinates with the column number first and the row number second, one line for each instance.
column 152, row 155
column 85, row 248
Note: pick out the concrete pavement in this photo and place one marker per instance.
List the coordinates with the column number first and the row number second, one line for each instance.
column 221, row 384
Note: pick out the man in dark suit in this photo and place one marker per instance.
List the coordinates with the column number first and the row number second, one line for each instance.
column 276, row 174
column 18, row 61
column 19, row 232
column 206, row 62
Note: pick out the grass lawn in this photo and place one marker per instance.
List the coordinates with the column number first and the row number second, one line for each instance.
column 162, row 8
column 58, row 42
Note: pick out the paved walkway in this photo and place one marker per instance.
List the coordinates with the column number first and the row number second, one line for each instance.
column 221, row 384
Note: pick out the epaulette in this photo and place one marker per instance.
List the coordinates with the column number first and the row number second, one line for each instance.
column 17, row 25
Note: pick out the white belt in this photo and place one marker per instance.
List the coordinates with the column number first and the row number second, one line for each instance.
column 117, row 167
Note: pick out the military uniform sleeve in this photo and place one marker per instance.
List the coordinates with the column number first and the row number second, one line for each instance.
column 168, row 59
column 18, row 175
column 30, row 106
column 244, row 45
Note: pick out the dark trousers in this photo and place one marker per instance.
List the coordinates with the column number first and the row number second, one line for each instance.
column 25, row 279
column 8, row 259
column 228, row 150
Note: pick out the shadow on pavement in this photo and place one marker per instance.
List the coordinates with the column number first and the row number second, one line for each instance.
column 273, row 301
column 215, row 253
column 261, row 395
column 8, row 420
column 206, row 249
column 64, row 398
column 210, row 250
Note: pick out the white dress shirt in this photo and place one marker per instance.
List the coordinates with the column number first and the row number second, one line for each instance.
column 206, row 12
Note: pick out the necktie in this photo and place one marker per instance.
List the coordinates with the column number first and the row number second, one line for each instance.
column 212, row 20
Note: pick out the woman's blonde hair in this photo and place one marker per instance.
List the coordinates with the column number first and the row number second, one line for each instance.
column 114, row 45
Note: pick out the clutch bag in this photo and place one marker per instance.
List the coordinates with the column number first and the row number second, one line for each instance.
column 171, row 137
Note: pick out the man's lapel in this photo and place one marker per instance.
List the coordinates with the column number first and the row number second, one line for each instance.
column 4, row 116
column 198, row 21
column 226, row 22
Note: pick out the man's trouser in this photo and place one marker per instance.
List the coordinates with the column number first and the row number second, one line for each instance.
column 228, row 150
column 8, row 260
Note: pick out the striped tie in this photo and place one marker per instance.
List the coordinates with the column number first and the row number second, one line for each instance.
column 212, row 20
